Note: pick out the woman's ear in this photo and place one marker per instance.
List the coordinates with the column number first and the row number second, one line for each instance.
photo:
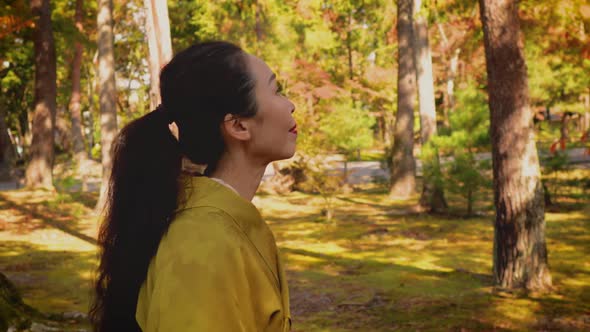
column 236, row 127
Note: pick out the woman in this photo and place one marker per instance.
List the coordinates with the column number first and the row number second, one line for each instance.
column 191, row 253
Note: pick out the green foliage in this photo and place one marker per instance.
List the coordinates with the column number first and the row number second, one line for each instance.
column 323, row 182
column 557, row 53
column 462, row 170
column 554, row 164
column 16, row 67
column 347, row 128
column 324, row 53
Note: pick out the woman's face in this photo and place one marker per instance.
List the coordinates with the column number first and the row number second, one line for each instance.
column 274, row 130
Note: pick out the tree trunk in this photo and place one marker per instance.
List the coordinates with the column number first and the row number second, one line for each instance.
column 452, row 73
column 7, row 154
column 75, row 105
column 107, row 92
column 91, row 91
column 432, row 198
column 585, row 120
column 258, row 26
column 520, row 251
column 470, row 203
column 39, row 173
column 388, row 130
column 157, row 25
column 403, row 171
column 63, row 139
column 349, row 45
column 564, row 130
column 14, row 311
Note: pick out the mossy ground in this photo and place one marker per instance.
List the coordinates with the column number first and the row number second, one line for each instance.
column 377, row 266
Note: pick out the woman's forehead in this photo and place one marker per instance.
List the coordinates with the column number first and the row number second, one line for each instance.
column 259, row 68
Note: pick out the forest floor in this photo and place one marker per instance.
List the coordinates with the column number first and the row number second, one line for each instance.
column 377, row 266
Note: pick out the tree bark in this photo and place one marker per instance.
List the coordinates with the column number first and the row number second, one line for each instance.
column 75, row 104
column 564, row 130
column 7, row 154
column 403, row 171
column 585, row 120
column 157, row 25
column 39, row 172
column 107, row 91
column 432, row 198
column 520, row 251
column 453, row 62
column 258, row 23
column 452, row 73
column 14, row 311
column 349, row 45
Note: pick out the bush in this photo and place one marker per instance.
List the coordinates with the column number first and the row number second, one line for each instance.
column 347, row 128
column 319, row 180
column 461, row 170
column 554, row 163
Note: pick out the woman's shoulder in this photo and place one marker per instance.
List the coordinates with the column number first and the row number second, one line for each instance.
column 203, row 221
column 200, row 234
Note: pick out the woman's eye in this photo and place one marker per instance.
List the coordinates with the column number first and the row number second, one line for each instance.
column 280, row 89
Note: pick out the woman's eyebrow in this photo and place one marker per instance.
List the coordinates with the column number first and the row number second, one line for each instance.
column 272, row 77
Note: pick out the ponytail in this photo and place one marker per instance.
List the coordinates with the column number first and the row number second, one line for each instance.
column 142, row 197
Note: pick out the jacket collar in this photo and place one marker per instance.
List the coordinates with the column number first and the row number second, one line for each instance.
column 202, row 191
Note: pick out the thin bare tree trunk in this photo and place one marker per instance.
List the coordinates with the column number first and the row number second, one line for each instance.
column 349, row 45
column 7, row 154
column 258, row 23
column 585, row 121
column 157, row 26
column 75, row 104
column 432, row 198
column 403, row 170
column 453, row 64
column 564, row 130
column 449, row 100
column 107, row 92
column 520, row 251
column 39, row 171
column 91, row 91
column 452, row 74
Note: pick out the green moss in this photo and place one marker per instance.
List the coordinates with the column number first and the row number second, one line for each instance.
column 377, row 267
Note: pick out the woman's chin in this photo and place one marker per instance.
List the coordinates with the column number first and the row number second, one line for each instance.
column 286, row 155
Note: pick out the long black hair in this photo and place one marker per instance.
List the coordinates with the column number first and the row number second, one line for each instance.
column 199, row 86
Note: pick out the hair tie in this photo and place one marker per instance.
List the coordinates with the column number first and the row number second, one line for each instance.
column 165, row 113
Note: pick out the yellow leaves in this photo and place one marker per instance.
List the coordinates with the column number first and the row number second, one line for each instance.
column 320, row 38
column 307, row 9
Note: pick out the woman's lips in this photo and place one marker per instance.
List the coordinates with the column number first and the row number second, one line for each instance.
column 293, row 129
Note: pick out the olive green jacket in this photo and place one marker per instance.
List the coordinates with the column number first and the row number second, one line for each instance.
column 217, row 269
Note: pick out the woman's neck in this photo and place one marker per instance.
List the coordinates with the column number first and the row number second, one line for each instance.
column 242, row 175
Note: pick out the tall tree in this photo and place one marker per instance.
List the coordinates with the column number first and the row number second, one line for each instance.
column 75, row 104
column 258, row 24
column 107, row 91
column 157, row 26
column 585, row 121
column 432, row 198
column 39, row 171
column 520, row 251
column 403, row 171
column 6, row 148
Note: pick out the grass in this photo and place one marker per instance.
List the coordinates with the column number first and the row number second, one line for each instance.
column 376, row 267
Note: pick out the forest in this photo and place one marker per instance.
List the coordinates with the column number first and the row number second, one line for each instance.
column 442, row 174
